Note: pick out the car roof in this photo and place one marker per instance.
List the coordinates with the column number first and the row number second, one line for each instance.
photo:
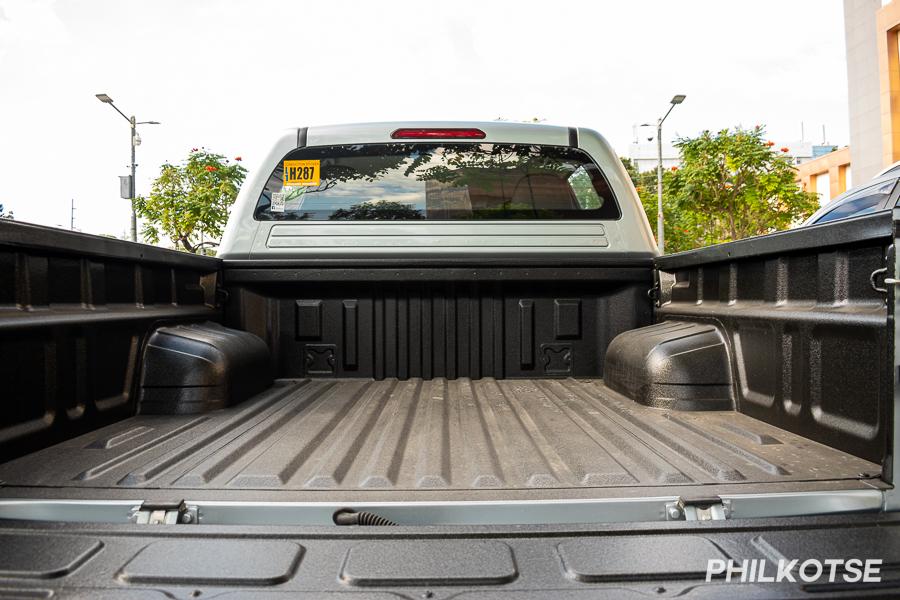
column 495, row 131
column 890, row 175
column 892, row 169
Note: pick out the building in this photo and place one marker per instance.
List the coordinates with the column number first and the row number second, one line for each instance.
column 871, row 30
column 829, row 175
column 803, row 151
column 645, row 157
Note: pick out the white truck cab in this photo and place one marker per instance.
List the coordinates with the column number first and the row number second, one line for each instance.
column 437, row 188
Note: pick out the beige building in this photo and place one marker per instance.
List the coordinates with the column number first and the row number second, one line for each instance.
column 829, row 175
column 871, row 30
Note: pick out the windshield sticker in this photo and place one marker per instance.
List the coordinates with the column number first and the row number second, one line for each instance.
column 301, row 172
column 277, row 205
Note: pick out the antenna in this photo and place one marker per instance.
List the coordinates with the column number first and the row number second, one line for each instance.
column 802, row 133
column 824, row 137
column 72, row 215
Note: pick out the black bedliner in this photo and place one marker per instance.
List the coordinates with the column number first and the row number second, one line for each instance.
column 359, row 436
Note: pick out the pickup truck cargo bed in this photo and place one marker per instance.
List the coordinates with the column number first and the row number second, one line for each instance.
column 359, row 436
column 538, row 404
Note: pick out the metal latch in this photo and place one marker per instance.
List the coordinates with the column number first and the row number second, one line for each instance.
column 873, row 279
column 698, row 509
column 164, row 513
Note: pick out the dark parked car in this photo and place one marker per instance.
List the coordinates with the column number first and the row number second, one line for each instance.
column 878, row 194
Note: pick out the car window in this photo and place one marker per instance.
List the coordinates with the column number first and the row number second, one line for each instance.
column 862, row 202
column 583, row 186
column 436, row 182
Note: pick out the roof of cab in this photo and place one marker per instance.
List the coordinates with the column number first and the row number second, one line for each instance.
column 495, row 131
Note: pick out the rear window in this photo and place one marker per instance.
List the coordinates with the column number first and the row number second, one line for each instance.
column 436, row 182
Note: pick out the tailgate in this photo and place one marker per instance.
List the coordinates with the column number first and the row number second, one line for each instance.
column 616, row 560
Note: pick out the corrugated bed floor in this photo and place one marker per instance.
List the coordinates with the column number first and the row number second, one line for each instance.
column 417, row 435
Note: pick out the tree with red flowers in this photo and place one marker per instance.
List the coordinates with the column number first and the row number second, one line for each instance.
column 189, row 202
column 731, row 184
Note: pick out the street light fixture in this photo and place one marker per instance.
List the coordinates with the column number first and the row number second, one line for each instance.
column 660, row 235
column 135, row 141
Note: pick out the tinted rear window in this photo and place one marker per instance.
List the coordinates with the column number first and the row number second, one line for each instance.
column 436, row 182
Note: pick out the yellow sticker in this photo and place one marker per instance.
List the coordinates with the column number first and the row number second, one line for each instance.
column 301, row 172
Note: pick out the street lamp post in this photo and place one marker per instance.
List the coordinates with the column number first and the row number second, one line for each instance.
column 135, row 140
column 660, row 235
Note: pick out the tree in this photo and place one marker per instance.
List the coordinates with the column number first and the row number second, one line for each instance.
column 377, row 211
column 678, row 226
column 189, row 203
column 732, row 184
column 4, row 214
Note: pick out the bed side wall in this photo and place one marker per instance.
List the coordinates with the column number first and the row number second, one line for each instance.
column 807, row 334
column 74, row 313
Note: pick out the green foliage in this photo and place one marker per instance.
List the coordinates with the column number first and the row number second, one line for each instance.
column 4, row 214
column 584, row 190
column 190, row 202
column 377, row 211
column 731, row 185
column 483, row 169
column 677, row 225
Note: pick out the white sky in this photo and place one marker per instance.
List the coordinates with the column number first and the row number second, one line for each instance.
column 228, row 75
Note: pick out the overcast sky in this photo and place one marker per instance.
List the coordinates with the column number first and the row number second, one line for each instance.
column 228, row 75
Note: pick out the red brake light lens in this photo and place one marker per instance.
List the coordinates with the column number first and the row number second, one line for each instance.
column 439, row 133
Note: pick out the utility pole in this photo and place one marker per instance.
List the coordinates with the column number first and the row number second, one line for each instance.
column 135, row 141
column 660, row 234
column 133, row 172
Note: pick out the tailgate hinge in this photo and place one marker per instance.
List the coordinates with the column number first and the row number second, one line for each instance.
column 698, row 509
column 164, row 513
